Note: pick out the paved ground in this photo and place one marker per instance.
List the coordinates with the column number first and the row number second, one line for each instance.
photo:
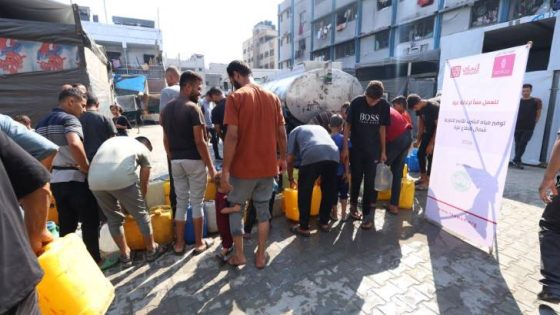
column 406, row 266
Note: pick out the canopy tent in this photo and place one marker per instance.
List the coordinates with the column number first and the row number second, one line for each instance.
column 42, row 47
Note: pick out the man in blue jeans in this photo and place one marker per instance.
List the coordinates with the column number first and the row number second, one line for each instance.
column 549, row 234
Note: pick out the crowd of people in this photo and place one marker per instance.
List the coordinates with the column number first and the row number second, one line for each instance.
column 92, row 174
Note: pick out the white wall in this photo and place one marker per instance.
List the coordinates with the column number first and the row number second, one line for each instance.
column 456, row 3
column 372, row 19
column 122, row 33
column 456, row 21
column 368, row 53
column 400, row 48
column 347, row 62
column 323, row 8
column 410, row 10
column 348, row 32
column 340, row 3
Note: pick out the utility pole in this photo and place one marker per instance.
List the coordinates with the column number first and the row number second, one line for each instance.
column 105, row 9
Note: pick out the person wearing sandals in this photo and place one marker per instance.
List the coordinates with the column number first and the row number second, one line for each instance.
column 184, row 139
column 427, row 112
column 398, row 140
column 319, row 159
column 367, row 119
column 254, row 152
column 113, row 181
column 343, row 172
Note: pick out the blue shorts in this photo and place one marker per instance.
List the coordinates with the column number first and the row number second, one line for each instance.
column 342, row 188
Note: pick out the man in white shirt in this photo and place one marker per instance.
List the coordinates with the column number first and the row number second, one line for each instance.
column 113, row 180
column 169, row 93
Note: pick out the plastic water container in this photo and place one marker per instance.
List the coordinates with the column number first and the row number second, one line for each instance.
column 53, row 229
column 167, row 192
column 73, row 283
column 315, row 200
column 384, row 195
column 189, row 227
column 406, row 199
column 210, row 193
column 210, row 215
column 106, row 242
column 162, row 226
column 290, row 205
column 383, row 177
column 412, row 161
column 53, row 213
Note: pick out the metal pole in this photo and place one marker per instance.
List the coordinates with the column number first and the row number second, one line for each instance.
column 105, row 9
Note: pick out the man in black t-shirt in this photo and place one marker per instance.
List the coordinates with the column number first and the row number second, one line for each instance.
column 184, row 139
column 217, row 96
column 365, row 127
column 428, row 113
column 96, row 127
column 529, row 113
column 26, row 180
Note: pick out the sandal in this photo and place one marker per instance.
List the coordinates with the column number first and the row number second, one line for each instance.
column 367, row 225
column 296, row 229
column 393, row 211
column 266, row 260
column 181, row 252
column 158, row 251
column 207, row 244
column 325, row 228
column 334, row 216
column 355, row 214
column 126, row 261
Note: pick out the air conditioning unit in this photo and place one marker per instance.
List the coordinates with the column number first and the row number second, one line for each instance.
column 414, row 50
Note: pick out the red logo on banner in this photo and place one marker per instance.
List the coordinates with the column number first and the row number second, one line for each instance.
column 455, row 72
column 503, row 66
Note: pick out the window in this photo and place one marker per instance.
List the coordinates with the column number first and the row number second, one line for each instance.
column 382, row 4
column 521, row 8
column 317, row 2
column 301, row 22
column 382, row 40
column 271, row 53
column 344, row 16
column 244, row 51
column 322, row 55
column 484, row 12
column 149, row 59
column 345, row 49
column 323, row 28
column 418, row 30
column 266, row 54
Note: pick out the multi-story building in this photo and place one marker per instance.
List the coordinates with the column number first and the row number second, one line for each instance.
column 260, row 50
column 132, row 45
column 397, row 41
column 405, row 43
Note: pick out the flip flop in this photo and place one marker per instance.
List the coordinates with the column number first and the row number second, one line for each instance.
column 207, row 244
column 126, row 262
column 325, row 228
column 355, row 215
column 393, row 212
column 422, row 187
column 367, row 225
column 223, row 257
column 266, row 260
column 299, row 231
column 229, row 262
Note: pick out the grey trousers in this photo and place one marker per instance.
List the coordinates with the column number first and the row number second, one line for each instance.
column 131, row 199
column 190, row 179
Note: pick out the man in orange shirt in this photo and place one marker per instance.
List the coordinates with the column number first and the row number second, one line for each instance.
column 255, row 136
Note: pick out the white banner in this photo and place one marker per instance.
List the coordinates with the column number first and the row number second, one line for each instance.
column 479, row 104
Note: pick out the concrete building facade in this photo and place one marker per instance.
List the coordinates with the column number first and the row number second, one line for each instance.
column 260, row 51
column 397, row 41
column 130, row 44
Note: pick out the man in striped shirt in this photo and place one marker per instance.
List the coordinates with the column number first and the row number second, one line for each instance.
column 74, row 200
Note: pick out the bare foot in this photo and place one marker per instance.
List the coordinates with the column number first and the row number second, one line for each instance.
column 237, row 261
column 228, row 210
